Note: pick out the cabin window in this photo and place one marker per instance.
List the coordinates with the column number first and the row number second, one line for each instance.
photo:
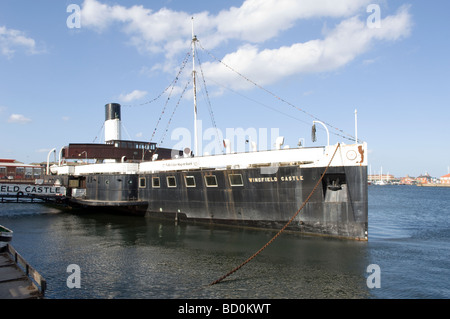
column 211, row 181
column 37, row 172
column 190, row 181
column 142, row 182
column 171, row 181
column 28, row 172
column 20, row 171
column 236, row 180
column 155, row 182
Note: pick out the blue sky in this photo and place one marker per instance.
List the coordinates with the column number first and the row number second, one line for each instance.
column 325, row 57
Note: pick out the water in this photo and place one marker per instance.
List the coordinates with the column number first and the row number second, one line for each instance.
column 135, row 257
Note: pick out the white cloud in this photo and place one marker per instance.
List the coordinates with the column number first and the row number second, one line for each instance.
column 369, row 61
column 169, row 31
column 260, row 20
column 135, row 95
column 11, row 39
column 341, row 45
column 18, row 118
column 162, row 31
column 254, row 22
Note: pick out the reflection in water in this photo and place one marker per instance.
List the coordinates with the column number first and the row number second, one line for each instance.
column 137, row 257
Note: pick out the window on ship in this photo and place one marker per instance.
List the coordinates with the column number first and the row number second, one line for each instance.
column 236, row 180
column 190, row 181
column 211, row 181
column 155, row 182
column 142, row 182
column 171, row 181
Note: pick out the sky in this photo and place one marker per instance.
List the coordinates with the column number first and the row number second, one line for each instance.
column 266, row 68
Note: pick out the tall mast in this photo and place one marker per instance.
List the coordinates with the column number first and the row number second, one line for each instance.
column 194, row 39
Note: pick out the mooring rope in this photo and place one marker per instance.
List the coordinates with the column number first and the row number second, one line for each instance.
column 282, row 229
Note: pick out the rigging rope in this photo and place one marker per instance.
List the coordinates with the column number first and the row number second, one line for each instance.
column 170, row 94
column 170, row 119
column 99, row 132
column 346, row 136
column 171, row 85
column 211, row 113
column 282, row 229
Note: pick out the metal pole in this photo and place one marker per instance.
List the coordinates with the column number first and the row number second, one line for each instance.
column 194, row 38
column 356, row 126
column 48, row 160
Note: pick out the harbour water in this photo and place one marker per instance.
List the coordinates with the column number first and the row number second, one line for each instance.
column 124, row 257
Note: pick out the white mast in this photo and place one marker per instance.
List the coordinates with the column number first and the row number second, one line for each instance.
column 194, row 39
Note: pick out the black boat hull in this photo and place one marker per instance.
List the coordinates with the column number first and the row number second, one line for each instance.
column 252, row 197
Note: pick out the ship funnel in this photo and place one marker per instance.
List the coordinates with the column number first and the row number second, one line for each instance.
column 112, row 122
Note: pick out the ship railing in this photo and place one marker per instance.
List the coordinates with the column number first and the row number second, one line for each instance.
column 37, row 279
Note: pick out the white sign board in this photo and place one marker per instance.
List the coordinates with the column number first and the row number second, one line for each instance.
column 26, row 189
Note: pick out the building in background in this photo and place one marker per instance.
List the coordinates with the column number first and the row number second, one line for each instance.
column 12, row 170
column 445, row 179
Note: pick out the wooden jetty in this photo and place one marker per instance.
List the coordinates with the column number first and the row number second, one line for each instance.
column 30, row 198
column 18, row 279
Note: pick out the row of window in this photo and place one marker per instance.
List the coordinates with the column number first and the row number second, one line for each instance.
column 135, row 145
column 21, row 172
column 189, row 181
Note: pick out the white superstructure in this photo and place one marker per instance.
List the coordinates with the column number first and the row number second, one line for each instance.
column 347, row 155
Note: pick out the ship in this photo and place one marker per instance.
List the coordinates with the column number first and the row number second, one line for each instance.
column 308, row 190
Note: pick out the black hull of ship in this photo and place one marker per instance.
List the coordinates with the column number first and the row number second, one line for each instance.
column 243, row 197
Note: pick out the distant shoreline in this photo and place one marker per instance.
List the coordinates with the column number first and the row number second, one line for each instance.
column 434, row 185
